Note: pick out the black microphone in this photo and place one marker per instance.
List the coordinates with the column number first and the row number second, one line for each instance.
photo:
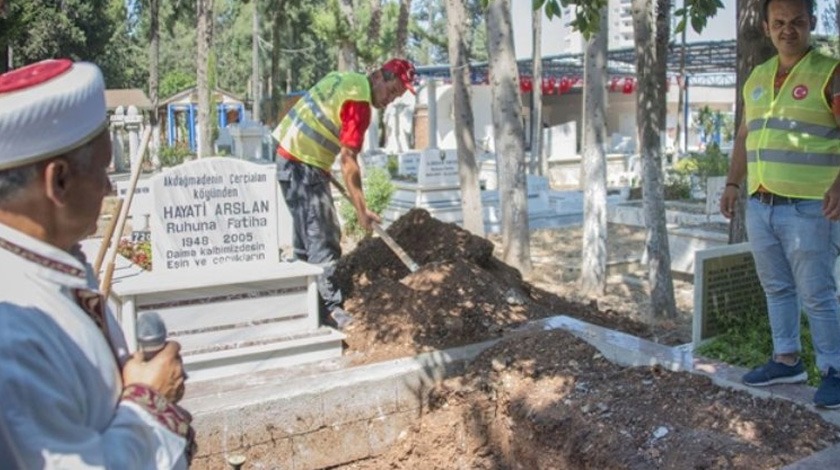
column 151, row 334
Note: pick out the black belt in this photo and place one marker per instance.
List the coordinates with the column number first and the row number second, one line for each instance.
column 774, row 199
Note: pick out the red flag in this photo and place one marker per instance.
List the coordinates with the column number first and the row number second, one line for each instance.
column 629, row 86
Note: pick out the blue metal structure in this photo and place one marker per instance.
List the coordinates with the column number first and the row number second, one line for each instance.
column 191, row 111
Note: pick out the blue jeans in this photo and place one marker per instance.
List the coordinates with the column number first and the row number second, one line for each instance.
column 795, row 248
column 316, row 231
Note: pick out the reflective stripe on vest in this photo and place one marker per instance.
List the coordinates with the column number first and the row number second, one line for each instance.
column 793, row 141
column 311, row 130
column 301, row 126
column 319, row 115
column 788, row 125
column 794, row 158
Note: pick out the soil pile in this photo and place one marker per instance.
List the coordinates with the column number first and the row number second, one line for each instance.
column 461, row 294
column 542, row 399
column 548, row 400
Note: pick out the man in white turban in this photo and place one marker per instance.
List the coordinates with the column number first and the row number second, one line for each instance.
column 72, row 397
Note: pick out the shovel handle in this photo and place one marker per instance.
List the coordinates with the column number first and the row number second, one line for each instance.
column 392, row 244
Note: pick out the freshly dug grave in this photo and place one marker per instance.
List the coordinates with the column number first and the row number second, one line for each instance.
column 460, row 295
column 547, row 400
column 542, row 400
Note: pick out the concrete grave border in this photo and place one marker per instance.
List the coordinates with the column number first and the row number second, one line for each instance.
column 363, row 410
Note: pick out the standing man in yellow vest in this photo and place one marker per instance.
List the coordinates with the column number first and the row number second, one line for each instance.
column 331, row 120
column 789, row 147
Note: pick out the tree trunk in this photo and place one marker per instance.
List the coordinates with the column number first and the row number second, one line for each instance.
column 347, row 48
column 753, row 48
column 509, row 136
column 375, row 19
column 154, row 79
column 457, row 26
column 204, row 12
column 682, row 126
column 256, row 113
column 277, row 18
column 651, row 31
column 593, row 273
column 5, row 66
column 402, row 28
column 539, row 164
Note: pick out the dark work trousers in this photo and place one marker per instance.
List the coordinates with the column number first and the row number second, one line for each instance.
column 317, row 233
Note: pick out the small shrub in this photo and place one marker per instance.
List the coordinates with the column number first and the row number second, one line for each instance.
column 171, row 156
column 378, row 190
column 393, row 165
column 712, row 162
column 677, row 186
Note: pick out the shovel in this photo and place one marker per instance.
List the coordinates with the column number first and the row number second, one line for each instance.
column 401, row 254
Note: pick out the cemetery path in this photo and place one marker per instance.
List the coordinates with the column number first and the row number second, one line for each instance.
column 546, row 399
column 556, row 258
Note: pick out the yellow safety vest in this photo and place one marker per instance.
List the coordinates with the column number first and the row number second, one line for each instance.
column 310, row 131
column 793, row 144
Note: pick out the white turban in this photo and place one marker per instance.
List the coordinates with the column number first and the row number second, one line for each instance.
column 49, row 108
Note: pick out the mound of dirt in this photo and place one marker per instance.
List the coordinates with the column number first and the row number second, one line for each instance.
column 546, row 400
column 542, row 400
column 461, row 294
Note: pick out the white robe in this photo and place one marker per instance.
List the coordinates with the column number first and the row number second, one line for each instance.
column 60, row 383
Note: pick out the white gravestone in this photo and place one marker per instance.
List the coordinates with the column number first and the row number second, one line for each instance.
column 374, row 159
column 561, row 141
column 212, row 213
column 714, row 191
column 438, row 168
column 133, row 123
column 407, row 164
column 247, row 140
column 117, row 144
column 140, row 209
column 437, row 188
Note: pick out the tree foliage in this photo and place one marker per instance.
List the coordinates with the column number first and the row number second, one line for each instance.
column 697, row 12
column 332, row 28
column 587, row 15
column 124, row 61
column 45, row 29
column 99, row 31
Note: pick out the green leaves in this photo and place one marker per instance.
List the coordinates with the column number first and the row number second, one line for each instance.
column 378, row 190
column 587, row 17
column 552, row 9
column 697, row 12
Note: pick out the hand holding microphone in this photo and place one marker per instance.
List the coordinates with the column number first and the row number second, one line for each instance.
column 151, row 334
column 157, row 363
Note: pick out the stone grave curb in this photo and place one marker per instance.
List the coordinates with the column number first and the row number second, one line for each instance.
column 360, row 411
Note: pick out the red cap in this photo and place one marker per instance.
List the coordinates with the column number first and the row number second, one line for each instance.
column 404, row 70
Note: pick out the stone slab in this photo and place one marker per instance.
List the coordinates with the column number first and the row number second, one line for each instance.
column 214, row 212
column 725, row 283
column 684, row 242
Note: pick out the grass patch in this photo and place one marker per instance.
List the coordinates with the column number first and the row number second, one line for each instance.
column 747, row 342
